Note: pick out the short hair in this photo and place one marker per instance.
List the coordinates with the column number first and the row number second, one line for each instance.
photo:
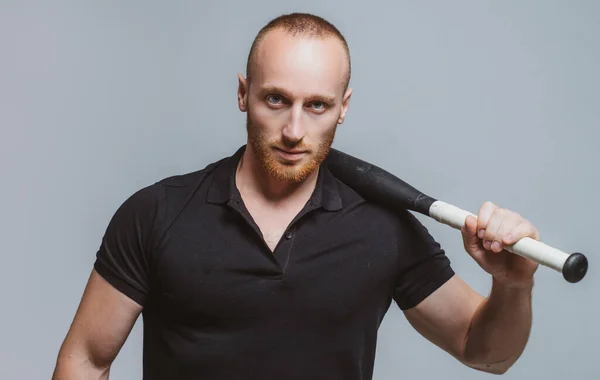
column 304, row 24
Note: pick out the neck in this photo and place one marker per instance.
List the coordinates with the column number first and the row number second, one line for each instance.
column 253, row 180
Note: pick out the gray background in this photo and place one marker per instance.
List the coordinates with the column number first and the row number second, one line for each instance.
column 468, row 100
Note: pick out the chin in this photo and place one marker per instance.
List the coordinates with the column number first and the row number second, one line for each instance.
column 292, row 172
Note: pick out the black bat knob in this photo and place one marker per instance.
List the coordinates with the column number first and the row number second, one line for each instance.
column 575, row 267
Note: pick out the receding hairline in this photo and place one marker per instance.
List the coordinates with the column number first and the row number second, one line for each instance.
column 299, row 25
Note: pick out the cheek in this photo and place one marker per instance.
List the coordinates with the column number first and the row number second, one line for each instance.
column 321, row 126
column 266, row 118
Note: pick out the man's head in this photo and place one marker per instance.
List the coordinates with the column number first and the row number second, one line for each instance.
column 295, row 94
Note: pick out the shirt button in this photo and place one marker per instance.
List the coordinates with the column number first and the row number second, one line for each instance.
column 288, row 235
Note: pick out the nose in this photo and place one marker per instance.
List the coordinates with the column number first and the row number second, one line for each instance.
column 294, row 130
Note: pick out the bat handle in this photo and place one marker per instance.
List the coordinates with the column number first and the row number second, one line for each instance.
column 572, row 266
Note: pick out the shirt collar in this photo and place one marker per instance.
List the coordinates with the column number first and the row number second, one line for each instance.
column 222, row 189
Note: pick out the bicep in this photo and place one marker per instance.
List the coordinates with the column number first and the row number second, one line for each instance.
column 101, row 325
column 444, row 317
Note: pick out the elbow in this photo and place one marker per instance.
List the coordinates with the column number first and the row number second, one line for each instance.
column 492, row 369
column 499, row 368
column 486, row 359
column 73, row 365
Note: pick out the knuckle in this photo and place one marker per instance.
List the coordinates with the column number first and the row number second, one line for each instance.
column 532, row 230
column 494, row 214
column 499, row 215
column 524, row 229
column 517, row 217
column 490, row 234
column 488, row 207
column 525, row 224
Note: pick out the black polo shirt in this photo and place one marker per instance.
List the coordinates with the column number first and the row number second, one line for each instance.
column 219, row 305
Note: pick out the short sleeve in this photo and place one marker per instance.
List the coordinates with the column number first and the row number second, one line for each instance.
column 124, row 256
column 425, row 266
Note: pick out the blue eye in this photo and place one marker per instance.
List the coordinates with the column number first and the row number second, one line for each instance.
column 319, row 106
column 274, row 99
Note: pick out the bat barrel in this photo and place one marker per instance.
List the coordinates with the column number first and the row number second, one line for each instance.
column 374, row 183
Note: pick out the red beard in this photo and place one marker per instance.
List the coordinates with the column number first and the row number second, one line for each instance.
column 283, row 170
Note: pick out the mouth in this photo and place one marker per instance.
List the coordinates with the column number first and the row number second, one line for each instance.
column 291, row 154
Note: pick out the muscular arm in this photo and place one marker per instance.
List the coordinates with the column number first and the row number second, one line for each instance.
column 487, row 334
column 101, row 325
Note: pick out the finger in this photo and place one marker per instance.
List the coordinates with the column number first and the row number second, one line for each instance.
column 470, row 226
column 485, row 213
column 469, row 232
column 506, row 230
column 521, row 230
column 491, row 242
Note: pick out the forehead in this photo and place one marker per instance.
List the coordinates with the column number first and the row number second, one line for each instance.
column 300, row 64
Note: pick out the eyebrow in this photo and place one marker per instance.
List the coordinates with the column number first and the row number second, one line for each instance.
column 326, row 98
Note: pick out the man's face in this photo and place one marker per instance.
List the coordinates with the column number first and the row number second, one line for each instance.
column 294, row 102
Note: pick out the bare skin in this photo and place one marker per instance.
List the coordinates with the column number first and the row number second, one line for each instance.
column 488, row 334
column 295, row 101
column 101, row 325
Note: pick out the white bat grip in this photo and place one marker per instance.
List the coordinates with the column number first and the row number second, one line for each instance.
column 529, row 248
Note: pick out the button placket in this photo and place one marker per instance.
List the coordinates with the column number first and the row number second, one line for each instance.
column 283, row 251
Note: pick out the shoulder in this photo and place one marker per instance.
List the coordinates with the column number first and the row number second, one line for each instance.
column 398, row 226
column 376, row 210
column 154, row 199
column 190, row 179
column 183, row 183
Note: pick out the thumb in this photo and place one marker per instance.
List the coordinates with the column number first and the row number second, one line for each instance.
column 469, row 233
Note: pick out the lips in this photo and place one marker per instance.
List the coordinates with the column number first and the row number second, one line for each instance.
column 291, row 154
column 291, row 151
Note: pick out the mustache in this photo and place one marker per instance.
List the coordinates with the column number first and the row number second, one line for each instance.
column 288, row 144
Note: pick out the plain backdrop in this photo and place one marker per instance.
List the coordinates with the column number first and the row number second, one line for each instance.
column 467, row 100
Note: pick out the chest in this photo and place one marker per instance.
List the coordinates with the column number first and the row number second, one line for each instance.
column 272, row 222
column 324, row 270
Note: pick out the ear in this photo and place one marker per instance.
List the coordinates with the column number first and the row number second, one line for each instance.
column 242, row 93
column 345, row 104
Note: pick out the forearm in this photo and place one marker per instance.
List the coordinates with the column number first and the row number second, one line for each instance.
column 500, row 329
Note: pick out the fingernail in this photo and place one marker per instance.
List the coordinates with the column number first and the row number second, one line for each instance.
column 495, row 246
column 508, row 238
column 487, row 244
column 480, row 233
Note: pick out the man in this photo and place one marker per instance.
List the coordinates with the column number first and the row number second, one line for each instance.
column 264, row 266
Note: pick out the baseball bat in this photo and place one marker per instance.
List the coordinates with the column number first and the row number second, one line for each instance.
column 377, row 185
